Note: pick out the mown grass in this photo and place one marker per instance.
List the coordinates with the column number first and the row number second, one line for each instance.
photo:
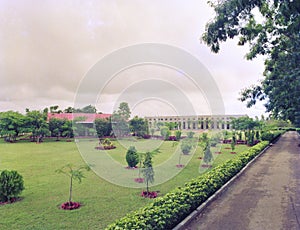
column 102, row 201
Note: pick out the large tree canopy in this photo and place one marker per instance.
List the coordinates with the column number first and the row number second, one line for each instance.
column 272, row 29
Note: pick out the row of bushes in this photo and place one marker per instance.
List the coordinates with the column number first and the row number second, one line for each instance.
column 270, row 136
column 167, row 211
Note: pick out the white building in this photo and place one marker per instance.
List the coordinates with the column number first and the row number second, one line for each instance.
column 196, row 122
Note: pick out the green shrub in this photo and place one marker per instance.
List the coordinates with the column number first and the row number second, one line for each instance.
column 178, row 135
column 132, row 157
column 165, row 132
column 207, row 158
column 186, row 146
column 167, row 211
column 215, row 139
column 270, row 136
column 266, row 136
column 190, row 134
column 11, row 185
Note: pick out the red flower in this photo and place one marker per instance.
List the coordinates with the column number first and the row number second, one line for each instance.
column 70, row 205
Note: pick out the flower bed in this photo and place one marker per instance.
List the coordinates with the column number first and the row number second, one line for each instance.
column 105, row 147
column 167, row 211
column 226, row 141
column 180, row 166
column 128, row 167
column 206, row 166
column 139, row 180
column 70, row 205
column 149, row 194
column 172, row 138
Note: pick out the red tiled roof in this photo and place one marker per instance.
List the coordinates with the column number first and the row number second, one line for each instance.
column 89, row 117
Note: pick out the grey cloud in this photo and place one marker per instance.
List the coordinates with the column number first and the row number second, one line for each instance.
column 47, row 47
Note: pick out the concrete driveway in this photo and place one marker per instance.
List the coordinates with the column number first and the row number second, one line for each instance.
column 266, row 196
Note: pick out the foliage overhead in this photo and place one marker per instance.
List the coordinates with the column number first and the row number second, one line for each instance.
column 272, row 29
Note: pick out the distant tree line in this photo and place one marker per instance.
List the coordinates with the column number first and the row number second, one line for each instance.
column 35, row 125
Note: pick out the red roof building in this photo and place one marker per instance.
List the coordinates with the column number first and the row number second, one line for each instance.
column 83, row 117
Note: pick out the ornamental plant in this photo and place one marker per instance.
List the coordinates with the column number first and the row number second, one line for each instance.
column 132, row 157
column 233, row 142
column 74, row 173
column 207, row 158
column 11, row 185
column 148, row 171
column 178, row 135
column 165, row 132
column 190, row 134
column 186, row 147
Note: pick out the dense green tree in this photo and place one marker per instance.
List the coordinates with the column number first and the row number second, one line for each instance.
column 103, row 127
column 271, row 27
column 53, row 109
column 56, row 127
column 245, row 123
column 67, row 129
column 171, row 125
column 37, row 124
column 138, row 126
column 11, row 124
column 88, row 109
column 69, row 110
column 124, row 110
column 119, row 120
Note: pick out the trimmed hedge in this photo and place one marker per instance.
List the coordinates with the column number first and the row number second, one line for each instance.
column 271, row 136
column 167, row 211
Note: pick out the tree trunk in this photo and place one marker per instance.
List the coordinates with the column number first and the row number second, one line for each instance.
column 71, row 186
column 147, row 187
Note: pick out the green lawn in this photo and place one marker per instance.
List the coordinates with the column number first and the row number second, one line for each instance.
column 103, row 202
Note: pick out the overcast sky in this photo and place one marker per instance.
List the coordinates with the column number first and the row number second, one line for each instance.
column 48, row 47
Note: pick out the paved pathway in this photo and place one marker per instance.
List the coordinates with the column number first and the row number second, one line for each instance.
column 266, row 196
